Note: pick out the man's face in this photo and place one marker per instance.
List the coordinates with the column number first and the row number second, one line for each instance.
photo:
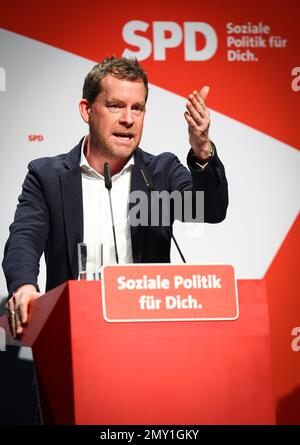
column 116, row 117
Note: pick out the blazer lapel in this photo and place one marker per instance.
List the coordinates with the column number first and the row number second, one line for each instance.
column 71, row 186
column 137, row 183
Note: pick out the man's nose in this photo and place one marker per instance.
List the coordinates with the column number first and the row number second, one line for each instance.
column 126, row 117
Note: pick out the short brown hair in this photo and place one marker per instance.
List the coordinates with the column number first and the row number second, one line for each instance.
column 122, row 68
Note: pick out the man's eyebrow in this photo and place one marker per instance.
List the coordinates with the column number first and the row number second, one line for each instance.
column 114, row 100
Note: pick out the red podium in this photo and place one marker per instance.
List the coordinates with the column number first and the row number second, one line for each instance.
column 91, row 371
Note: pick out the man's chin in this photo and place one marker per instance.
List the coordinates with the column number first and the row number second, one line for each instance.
column 122, row 152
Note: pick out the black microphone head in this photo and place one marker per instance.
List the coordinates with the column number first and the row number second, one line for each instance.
column 147, row 179
column 107, row 176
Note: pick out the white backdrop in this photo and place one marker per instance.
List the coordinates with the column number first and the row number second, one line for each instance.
column 43, row 87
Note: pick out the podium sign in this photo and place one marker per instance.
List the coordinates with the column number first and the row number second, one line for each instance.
column 167, row 292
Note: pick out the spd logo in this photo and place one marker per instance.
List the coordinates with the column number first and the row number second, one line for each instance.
column 35, row 137
column 168, row 35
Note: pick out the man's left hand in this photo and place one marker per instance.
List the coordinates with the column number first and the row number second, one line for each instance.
column 198, row 119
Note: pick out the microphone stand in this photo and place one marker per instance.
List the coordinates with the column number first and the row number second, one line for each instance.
column 150, row 187
column 108, row 185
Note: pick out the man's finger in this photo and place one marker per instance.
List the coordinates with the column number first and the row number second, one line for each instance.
column 196, row 103
column 19, row 328
column 11, row 315
column 23, row 312
column 12, row 322
column 18, row 314
column 190, row 120
column 204, row 92
column 198, row 118
column 21, row 308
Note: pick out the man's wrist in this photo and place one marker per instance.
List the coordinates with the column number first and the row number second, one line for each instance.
column 202, row 157
column 29, row 287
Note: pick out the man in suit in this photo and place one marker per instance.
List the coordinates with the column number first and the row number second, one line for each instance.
column 64, row 201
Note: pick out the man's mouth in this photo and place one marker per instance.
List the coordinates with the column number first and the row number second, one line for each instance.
column 124, row 136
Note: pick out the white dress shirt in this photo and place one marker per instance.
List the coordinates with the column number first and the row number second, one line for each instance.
column 97, row 223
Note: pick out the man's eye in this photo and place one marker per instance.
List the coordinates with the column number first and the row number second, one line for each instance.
column 138, row 109
column 114, row 107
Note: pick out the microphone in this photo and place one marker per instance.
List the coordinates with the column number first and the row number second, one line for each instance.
column 107, row 176
column 108, row 186
column 150, row 187
column 148, row 181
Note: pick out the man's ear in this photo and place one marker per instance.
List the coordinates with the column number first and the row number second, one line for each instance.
column 85, row 108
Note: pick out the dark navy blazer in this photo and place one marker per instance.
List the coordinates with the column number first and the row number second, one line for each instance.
column 49, row 216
